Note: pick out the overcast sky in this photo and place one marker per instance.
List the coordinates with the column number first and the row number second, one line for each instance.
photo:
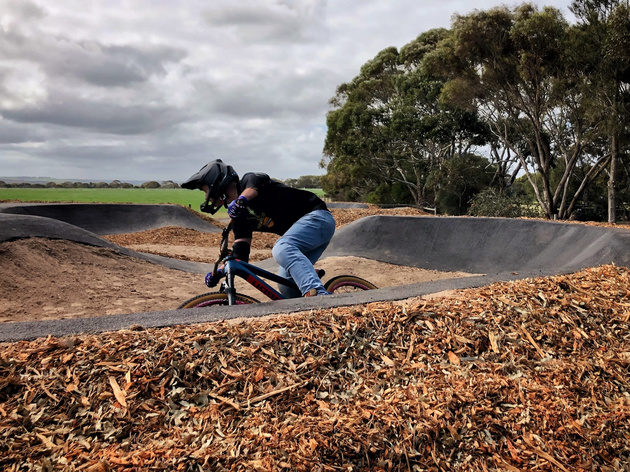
column 138, row 89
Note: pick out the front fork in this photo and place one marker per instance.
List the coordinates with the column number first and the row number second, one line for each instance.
column 228, row 285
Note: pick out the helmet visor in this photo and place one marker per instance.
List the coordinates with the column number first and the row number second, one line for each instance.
column 212, row 205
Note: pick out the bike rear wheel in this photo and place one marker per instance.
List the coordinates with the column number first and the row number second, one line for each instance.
column 215, row 299
column 347, row 284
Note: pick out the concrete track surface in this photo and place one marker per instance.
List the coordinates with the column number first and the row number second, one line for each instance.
column 112, row 218
column 482, row 245
column 500, row 249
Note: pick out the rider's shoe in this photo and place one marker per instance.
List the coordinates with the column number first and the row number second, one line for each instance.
column 316, row 292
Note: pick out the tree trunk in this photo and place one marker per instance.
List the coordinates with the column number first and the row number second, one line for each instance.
column 547, row 194
column 612, row 197
column 588, row 179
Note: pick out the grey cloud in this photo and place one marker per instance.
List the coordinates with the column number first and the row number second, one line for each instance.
column 175, row 153
column 282, row 95
column 23, row 10
column 291, row 22
column 99, row 116
column 25, row 37
column 11, row 133
column 89, row 61
column 272, row 147
column 163, row 156
column 114, row 65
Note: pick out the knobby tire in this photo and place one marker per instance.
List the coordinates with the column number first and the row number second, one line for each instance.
column 336, row 284
column 214, row 299
column 348, row 281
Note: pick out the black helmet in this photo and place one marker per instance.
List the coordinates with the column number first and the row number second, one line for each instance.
column 217, row 176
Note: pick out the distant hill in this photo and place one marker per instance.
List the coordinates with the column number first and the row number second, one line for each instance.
column 45, row 180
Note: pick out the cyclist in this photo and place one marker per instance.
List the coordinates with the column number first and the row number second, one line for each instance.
column 257, row 203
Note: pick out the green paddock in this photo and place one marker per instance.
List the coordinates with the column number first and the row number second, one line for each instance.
column 103, row 195
column 178, row 196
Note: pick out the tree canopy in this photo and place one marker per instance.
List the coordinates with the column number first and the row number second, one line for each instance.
column 389, row 129
column 503, row 93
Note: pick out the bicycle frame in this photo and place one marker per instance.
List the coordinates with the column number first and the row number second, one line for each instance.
column 254, row 276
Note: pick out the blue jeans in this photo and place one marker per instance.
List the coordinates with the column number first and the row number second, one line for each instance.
column 300, row 247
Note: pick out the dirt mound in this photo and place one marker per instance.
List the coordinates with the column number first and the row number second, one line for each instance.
column 51, row 279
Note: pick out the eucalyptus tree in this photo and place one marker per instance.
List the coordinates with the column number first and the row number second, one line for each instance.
column 511, row 66
column 357, row 126
column 606, row 24
column 388, row 126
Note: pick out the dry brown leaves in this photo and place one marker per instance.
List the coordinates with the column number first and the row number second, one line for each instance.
column 527, row 375
column 343, row 216
column 190, row 237
column 186, row 237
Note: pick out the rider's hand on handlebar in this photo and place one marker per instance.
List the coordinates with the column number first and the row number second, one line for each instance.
column 237, row 207
column 213, row 278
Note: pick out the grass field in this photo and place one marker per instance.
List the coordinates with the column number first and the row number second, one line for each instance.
column 103, row 195
column 177, row 196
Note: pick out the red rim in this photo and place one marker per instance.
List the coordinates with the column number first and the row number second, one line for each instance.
column 217, row 301
column 349, row 284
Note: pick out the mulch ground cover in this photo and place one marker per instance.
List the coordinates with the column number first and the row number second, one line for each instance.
column 176, row 235
column 525, row 375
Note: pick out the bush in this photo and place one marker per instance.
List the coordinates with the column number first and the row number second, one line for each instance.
column 458, row 180
column 491, row 202
column 387, row 193
column 305, row 181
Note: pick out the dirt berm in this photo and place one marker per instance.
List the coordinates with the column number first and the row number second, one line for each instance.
column 482, row 245
column 112, row 218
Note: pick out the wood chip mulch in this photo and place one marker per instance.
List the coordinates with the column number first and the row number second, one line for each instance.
column 525, row 375
column 343, row 216
column 177, row 235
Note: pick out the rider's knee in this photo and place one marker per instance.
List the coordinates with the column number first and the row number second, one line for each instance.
column 280, row 252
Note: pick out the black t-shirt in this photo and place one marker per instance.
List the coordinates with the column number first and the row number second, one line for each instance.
column 275, row 208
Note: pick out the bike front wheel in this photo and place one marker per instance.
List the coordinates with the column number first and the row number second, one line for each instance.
column 215, row 299
column 347, row 284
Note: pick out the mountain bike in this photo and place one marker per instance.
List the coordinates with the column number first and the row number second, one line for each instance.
column 255, row 276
